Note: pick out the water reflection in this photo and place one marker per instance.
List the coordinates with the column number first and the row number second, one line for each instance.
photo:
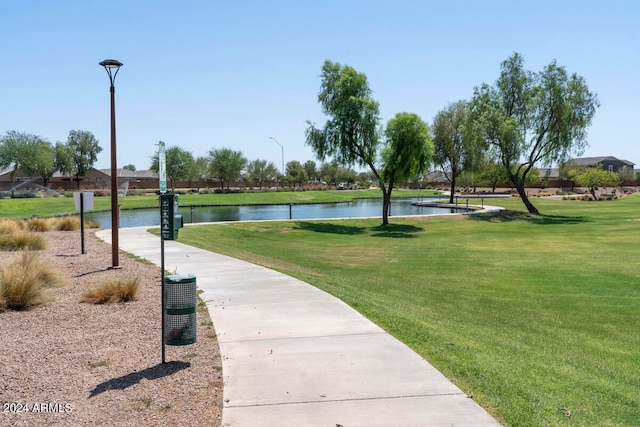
column 355, row 209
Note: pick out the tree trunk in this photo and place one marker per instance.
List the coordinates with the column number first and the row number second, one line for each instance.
column 453, row 190
column 525, row 199
column 386, row 204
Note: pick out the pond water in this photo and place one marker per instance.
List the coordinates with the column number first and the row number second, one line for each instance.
column 356, row 209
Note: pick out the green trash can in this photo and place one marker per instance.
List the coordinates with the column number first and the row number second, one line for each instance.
column 180, row 309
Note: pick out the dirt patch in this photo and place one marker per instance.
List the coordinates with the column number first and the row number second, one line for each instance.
column 66, row 363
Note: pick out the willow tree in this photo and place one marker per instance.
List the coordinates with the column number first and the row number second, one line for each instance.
column 529, row 119
column 454, row 151
column 351, row 135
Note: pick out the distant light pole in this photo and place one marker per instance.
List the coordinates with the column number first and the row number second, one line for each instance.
column 110, row 65
column 282, row 153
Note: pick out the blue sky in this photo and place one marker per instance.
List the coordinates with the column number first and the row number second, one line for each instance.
column 213, row 74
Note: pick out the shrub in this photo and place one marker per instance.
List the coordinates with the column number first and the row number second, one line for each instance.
column 23, row 281
column 67, row 223
column 38, row 224
column 22, row 240
column 112, row 290
column 8, row 226
column 23, row 194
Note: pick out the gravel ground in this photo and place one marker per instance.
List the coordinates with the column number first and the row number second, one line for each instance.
column 66, row 363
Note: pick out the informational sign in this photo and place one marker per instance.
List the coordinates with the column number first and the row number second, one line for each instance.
column 83, row 200
column 166, row 210
column 162, row 167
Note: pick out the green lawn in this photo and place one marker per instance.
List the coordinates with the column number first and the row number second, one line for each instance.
column 536, row 317
column 21, row 208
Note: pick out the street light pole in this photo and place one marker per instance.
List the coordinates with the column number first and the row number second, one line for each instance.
column 110, row 65
column 282, row 153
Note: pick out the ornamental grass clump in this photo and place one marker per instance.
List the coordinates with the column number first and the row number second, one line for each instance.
column 67, row 223
column 37, row 224
column 22, row 240
column 8, row 226
column 24, row 281
column 112, row 290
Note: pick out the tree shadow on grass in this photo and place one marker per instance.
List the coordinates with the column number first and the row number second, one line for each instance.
column 508, row 216
column 152, row 373
column 397, row 231
column 326, row 227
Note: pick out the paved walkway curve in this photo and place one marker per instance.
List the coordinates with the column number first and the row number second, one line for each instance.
column 295, row 356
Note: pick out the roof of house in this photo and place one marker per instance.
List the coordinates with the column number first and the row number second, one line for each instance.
column 589, row 161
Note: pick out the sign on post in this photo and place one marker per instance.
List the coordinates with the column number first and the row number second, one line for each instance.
column 83, row 199
column 162, row 167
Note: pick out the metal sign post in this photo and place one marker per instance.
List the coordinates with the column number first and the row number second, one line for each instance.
column 164, row 214
column 83, row 201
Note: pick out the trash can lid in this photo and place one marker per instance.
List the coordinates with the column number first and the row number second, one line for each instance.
column 180, row 278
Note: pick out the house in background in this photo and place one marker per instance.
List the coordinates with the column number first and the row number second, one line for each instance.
column 551, row 177
column 609, row 163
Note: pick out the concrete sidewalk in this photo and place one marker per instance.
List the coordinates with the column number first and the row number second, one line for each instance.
column 295, row 356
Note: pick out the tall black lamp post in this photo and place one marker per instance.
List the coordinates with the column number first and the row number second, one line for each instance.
column 112, row 66
column 282, row 152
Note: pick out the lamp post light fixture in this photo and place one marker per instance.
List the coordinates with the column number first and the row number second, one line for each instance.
column 282, row 153
column 112, row 67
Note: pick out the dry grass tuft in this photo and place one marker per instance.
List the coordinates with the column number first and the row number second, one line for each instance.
column 67, row 223
column 22, row 240
column 38, row 224
column 23, row 282
column 8, row 226
column 112, row 290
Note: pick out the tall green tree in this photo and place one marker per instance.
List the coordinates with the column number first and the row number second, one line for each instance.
column 311, row 169
column 529, row 118
column 454, row 151
column 14, row 151
column 493, row 172
column 261, row 171
column 199, row 172
column 41, row 160
column 64, row 158
column 226, row 164
column 570, row 170
column 347, row 175
column 329, row 172
column 178, row 163
column 351, row 134
column 595, row 177
column 296, row 172
column 84, row 149
column 408, row 151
